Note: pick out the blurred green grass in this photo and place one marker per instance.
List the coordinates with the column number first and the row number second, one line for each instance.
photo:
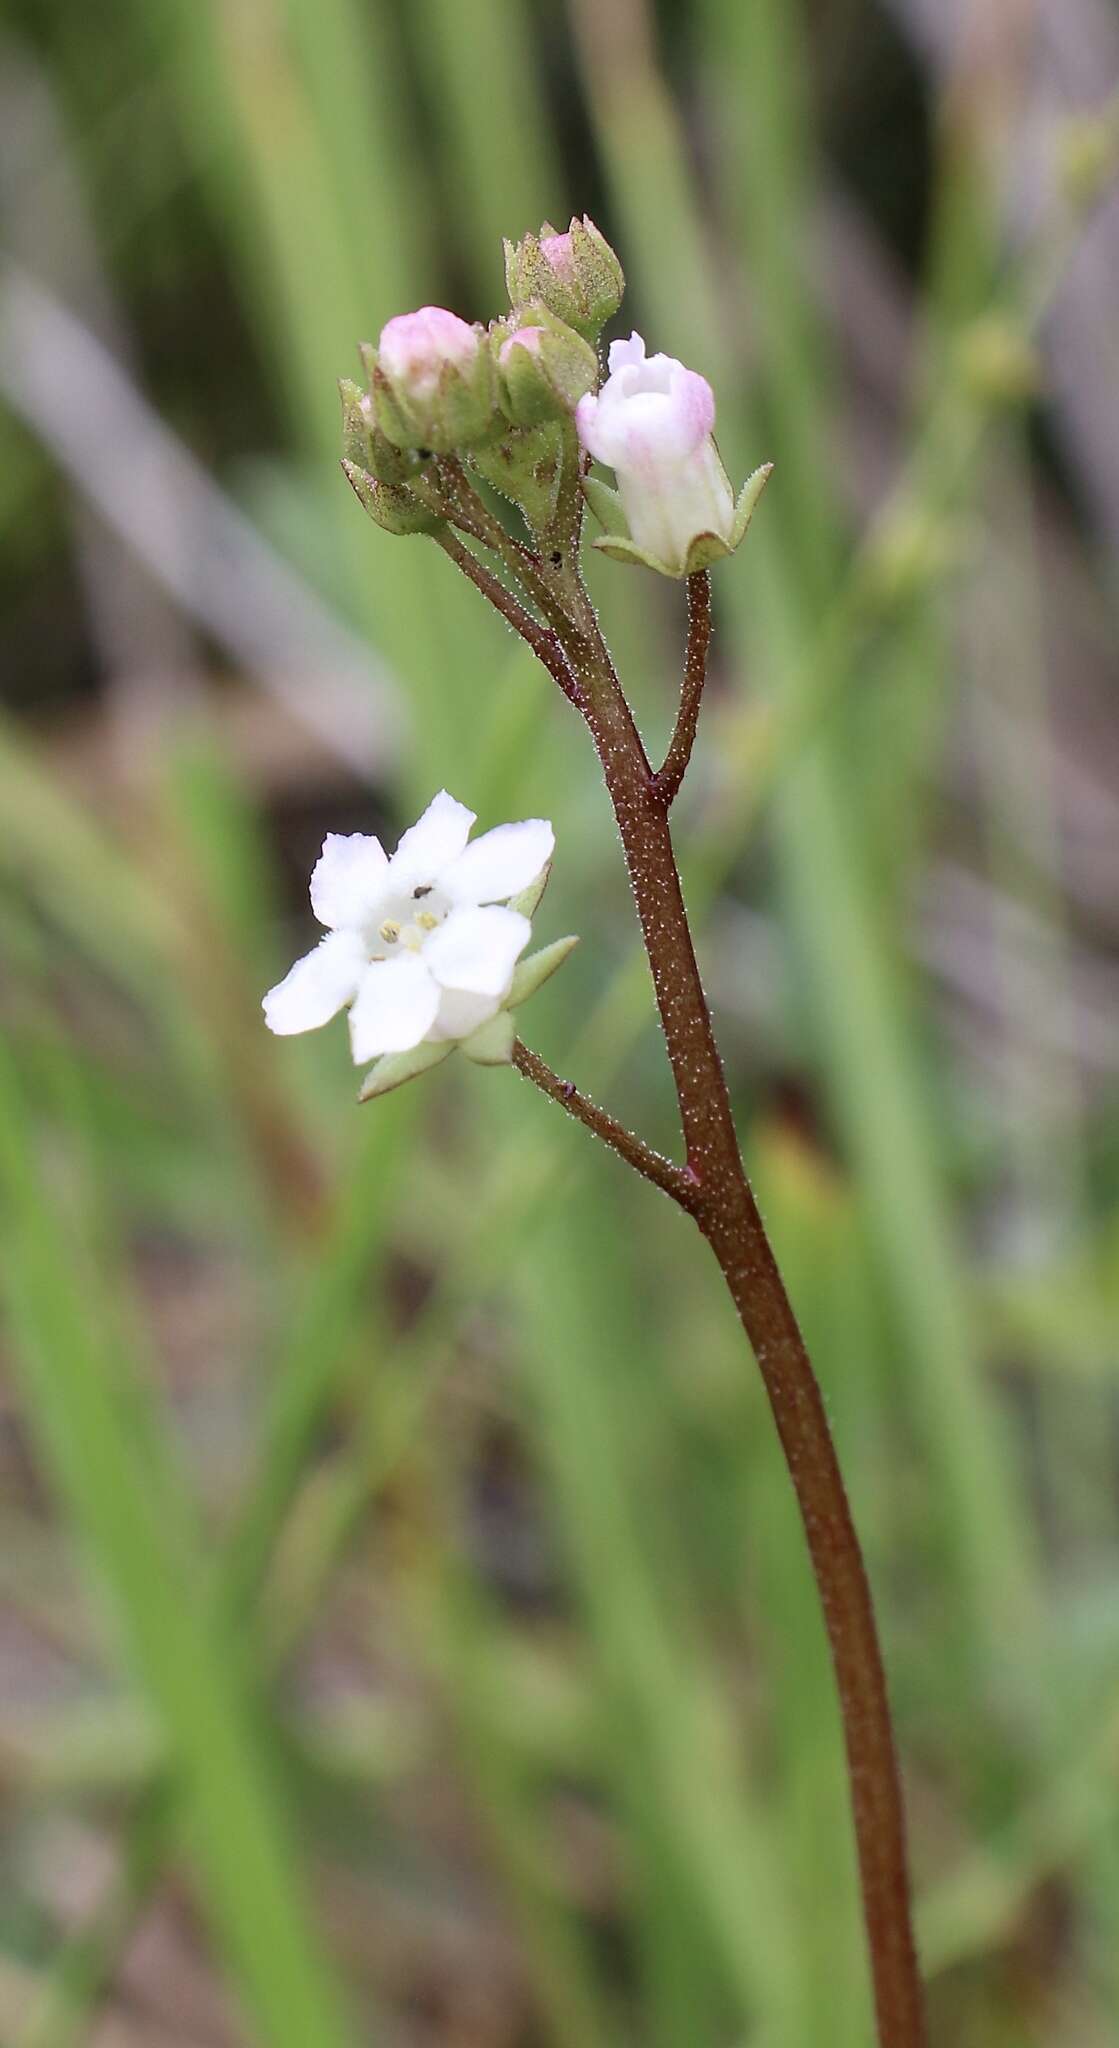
column 405, row 1612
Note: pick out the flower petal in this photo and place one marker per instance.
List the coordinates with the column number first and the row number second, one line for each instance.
column 622, row 353
column 477, row 949
column 395, row 1007
column 317, row 986
column 434, row 840
column 347, row 879
column 460, row 1014
column 500, row 863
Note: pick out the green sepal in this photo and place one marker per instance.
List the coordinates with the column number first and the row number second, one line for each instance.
column 606, row 504
column 620, row 548
column 526, row 465
column 394, row 1068
column 492, row 1044
column 705, row 549
column 363, row 442
column 747, row 499
column 393, row 507
column 532, row 973
column 528, row 902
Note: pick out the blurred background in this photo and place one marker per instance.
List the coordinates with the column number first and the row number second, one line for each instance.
column 405, row 1631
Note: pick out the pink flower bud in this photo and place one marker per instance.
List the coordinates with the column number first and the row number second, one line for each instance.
column 544, row 367
column 415, row 348
column 559, row 256
column 432, row 381
column 651, row 422
column 525, row 337
column 575, row 275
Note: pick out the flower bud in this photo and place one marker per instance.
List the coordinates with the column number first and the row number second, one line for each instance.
column 363, row 443
column 652, row 423
column 575, row 275
column 543, row 367
column 391, row 506
column 432, row 382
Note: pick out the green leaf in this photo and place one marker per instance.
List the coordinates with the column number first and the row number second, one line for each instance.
column 99, row 1441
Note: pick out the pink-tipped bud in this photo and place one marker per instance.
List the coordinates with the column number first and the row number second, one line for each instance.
column 576, row 275
column 432, row 381
column 524, row 337
column 559, row 256
column 543, row 367
column 415, row 348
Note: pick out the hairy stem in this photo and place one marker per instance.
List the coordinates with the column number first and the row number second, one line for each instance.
column 543, row 640
column 674, row 1180
column 713, row 1188
column 673, row 768
column 727, row 1213
column 547, row 591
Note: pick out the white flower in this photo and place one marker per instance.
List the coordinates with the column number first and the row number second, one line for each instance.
column 651, row 422
column 422, row 946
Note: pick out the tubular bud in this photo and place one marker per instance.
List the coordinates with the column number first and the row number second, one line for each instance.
column 575, row 274
column 543, row 366
column 432, row 382
column 652, row 423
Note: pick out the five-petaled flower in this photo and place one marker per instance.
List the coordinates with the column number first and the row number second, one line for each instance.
column 651, row 422
column 423, row 946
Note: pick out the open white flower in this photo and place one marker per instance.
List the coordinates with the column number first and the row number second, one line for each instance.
column 422, row 946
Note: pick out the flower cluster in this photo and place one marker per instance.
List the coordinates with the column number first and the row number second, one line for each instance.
column 422, row 947
column 425, row 948
column 522, row 403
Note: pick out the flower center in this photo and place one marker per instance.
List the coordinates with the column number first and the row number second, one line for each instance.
column 406, row 921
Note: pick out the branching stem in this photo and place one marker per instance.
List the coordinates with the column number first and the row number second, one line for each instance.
column 674, row 1180
column 543, row 640
column 713, row 1188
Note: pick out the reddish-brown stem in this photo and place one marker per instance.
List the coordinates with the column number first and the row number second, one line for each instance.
column 543, row 641
column 714, row 1189
column 673, row 768
column 727, row 1213
column 664, row 1174
column 470, row 510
